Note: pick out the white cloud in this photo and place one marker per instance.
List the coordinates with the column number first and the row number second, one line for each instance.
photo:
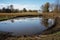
column 20, row 6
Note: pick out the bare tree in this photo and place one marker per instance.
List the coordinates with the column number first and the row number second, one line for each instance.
column 11, row 7
column 45, row 8
column 3, row 9
column 57, row 6
column 24, row 10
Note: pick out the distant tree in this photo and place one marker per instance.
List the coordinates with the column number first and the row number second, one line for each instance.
column 0, row 10
column 8, row 11
column 30, row 10
column 20, row 11
column 34, row 10
column 11, row 8
column 3, row 9
column 57, row 9
column 57, row 6
column 45, row 8
column 24, row 10
column 51, row 8
column 16, row 11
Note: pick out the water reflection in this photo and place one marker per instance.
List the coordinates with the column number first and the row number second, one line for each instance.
column 12, row 20
column 45, row 22
column 25, row 26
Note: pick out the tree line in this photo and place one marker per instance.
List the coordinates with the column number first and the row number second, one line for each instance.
column 10, row 9
column 47, row 7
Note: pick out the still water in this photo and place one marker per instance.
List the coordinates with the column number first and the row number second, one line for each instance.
column 25, row 26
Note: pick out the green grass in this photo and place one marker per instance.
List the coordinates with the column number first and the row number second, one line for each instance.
column 57, row 33
column 1, row 19
column 5, row 18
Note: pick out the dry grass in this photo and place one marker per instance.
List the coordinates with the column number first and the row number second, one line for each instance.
column 5, row 16
column 18, row 14
column 55, row 36
column 49, row 15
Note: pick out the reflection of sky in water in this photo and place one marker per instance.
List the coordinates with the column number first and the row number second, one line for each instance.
column 23, row 26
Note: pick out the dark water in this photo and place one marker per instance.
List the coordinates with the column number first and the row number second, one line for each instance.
column 25, row 26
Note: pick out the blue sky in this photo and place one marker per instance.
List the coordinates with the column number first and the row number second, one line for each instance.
column 28, row 4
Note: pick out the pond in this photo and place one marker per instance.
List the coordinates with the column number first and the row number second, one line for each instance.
column 25, row 26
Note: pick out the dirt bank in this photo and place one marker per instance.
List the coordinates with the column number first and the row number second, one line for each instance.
column 54, row 29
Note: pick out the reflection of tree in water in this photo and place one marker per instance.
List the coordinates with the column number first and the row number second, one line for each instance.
column 45, row 22
column 12, row 20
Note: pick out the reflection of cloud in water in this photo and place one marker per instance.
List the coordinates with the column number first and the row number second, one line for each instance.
column 48, row 22
column 51, row 22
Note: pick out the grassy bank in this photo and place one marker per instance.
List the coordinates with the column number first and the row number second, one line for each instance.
column 5, row 16
column 54, row 29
